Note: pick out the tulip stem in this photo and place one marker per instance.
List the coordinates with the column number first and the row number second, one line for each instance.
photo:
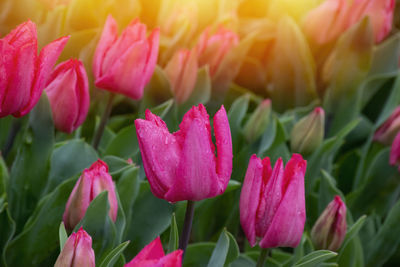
column 15, row 127
column 187, row 226
column 262, row 257
column 103, row 121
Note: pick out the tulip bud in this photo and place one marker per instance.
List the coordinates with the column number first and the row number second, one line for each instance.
column 258, row 121
column 23, row 73
column 181, row 71
column 184, row 165
column 68, row 93
column 212, row 49
column 388, row 130
column 272, row 202
column 126, row 63
column 77, row 251
column 395, row 151
column 308, row 133
column 330, row 229
column 153, row 255
column 92, row 182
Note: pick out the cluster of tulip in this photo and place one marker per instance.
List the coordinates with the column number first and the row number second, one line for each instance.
column 330, row 69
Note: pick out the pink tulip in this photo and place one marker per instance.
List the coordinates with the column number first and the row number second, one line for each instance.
column 395, row 151
column 126, row 63
column 184, row 165
column 388, row 130
column 330, row 229
column 23, row 74
column 92, row 182
column 331, row 18
column 153, row 255
column 212, row 49
column 181, row 71
column 77, row 251
column 272, row 204
column 68, row 92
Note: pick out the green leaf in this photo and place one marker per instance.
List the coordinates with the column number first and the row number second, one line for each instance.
column 236, row 114
column 243, row 261
column 232, row 185
column 352, row 232
column 327, row 191
column 386, row 241
column 173, row 235
column 30, row 168
column 39, row 239
column 124, row 144
column 62, row 233
column 220, row 251
column 4, row 177
column 97, row 223
column 7, row 226
column 315, row 258
column 233, row 252
column 197, row 254
column 144, row 227
column 112, row 257
column 69, row 159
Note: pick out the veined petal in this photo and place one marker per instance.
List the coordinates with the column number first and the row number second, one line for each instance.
column 196, row 178
column 84, row 254
column 153, row 251
column 250, row 198
column 152, row 55
column 25, row 33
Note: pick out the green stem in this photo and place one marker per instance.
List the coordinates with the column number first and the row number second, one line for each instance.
column 103, row 121
column 15, row 127
column 262, row 257
column 187, row 226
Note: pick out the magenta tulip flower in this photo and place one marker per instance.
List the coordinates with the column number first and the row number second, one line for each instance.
column 153, row 255
column 92, row 182
column 330, row 229
column 68, row 93
column 272, row 204
column 77, row 251
column 388, row 130
column 125, row 64
column 23, row 74
column 184, row 165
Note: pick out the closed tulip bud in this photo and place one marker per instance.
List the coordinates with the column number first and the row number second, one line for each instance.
column 330, row 229
column 153, row 255
column 272, row 202
column 308, row 133
column 23, row 74
column 258, row 121
column 181, row 71
column 388, row 130
column 331, row 18
column 68, row 93
column 92, row 182
column 395, row 151
column 212, row 49
column 126, row 63
column 77, row 251
column 184, row 165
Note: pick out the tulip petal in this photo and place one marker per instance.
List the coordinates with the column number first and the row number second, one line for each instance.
column 102, row 181
column 152, row 55
column 108, row 37
column 284, row 231
column 126, row 74
column 82, row 93
column 224, row 147
column 47, row 58
column 196, row 178
column 152, row 251
column 67, row 254
column 395, row 151
column 250, row 197
column 173, row 259
column 23, row 34
column 160, row 154
column 84, row 254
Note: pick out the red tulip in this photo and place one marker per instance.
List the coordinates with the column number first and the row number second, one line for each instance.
column 395, row 151
column 68, row 92
column 388, row 130
column 23, row 74
column 272, row 202
column 126, row 63
column 330, row 229
column 329, row 20
column 77, row 251
column 92, row 182
column 153, row 255
column 184, row 165
column 212, row 49
column 181, row 71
